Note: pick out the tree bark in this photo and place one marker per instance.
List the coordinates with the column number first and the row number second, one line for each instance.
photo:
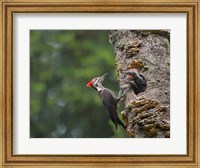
column 146, row 114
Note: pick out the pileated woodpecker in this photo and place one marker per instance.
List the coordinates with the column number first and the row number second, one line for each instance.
column 108, row 98
column 136, row 81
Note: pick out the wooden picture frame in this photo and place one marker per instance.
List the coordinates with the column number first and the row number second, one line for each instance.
column 10, row 7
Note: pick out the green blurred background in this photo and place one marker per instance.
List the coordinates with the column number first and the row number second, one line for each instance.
column 62, row 63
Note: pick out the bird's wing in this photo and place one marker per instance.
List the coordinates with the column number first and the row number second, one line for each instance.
column 110, row 107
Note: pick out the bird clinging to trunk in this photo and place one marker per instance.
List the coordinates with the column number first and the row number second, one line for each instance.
column 108, row 98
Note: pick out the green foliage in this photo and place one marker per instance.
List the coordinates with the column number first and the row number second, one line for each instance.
column 62, row 63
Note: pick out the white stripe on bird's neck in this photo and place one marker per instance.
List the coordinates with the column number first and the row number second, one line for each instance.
column 99, row 89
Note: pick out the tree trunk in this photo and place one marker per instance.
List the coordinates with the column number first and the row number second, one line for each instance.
column 146, row 114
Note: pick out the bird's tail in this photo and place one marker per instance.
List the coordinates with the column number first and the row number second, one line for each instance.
column 116, row 125
column 121, row 123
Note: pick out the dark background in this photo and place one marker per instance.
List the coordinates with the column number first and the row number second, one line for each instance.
column 62, row 63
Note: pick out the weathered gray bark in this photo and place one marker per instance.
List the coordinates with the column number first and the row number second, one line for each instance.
column 146, row 114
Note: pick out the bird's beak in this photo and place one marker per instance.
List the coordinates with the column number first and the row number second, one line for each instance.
column 102, row 77
column 133, row 71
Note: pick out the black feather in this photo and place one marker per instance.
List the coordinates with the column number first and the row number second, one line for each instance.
column 110, row 103
column 138, row 83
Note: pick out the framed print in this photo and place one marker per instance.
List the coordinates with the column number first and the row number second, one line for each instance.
column 99, row 84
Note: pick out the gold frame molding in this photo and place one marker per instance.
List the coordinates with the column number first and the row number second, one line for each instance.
column 11, row 7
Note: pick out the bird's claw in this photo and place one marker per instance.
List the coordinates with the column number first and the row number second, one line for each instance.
column 120, row 95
